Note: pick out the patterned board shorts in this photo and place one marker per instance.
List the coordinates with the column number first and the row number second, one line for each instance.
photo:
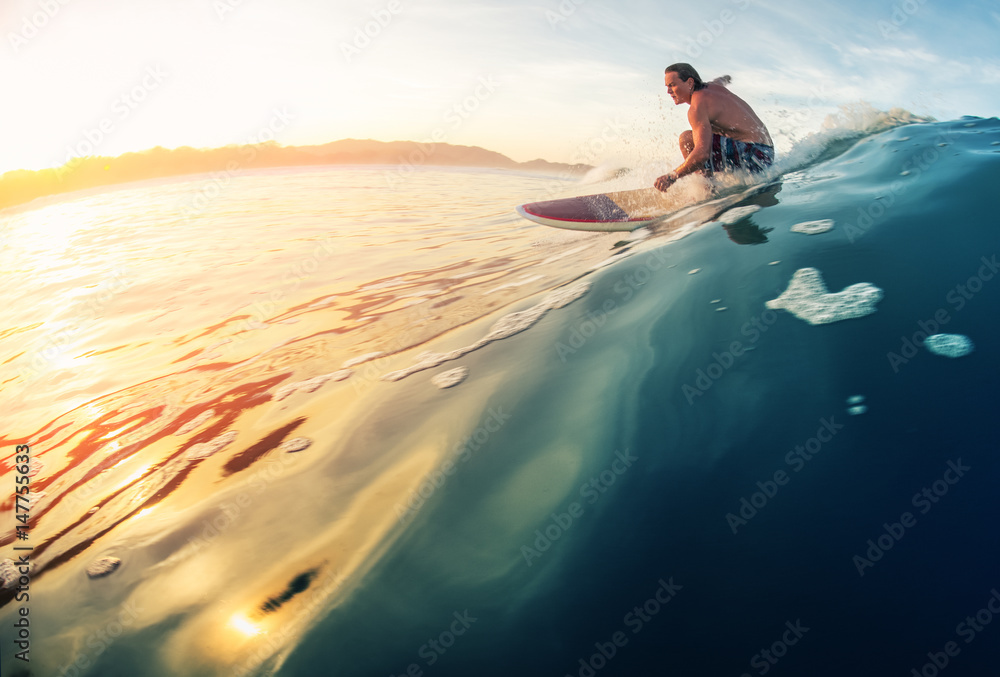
column 729, row 155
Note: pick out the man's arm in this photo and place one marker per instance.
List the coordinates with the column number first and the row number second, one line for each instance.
column 701, row 131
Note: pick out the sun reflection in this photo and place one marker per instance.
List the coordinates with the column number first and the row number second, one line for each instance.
column 136, row 475
column 115, row 433
column 244, row 625
column 67, row 362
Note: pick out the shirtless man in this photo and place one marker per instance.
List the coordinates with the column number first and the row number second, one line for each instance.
column 725, row 133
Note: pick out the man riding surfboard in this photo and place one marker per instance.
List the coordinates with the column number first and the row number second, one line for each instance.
column 725, row 134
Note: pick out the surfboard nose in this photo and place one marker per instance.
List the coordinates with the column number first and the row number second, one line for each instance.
column 587, row 208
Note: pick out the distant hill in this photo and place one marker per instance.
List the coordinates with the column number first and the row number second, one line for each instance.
column 21, row 186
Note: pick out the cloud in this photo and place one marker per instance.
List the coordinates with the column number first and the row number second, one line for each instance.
column 896, row 55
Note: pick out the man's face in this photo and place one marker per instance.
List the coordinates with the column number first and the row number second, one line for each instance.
column 679, row 90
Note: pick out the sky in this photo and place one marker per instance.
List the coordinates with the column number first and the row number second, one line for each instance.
column 563, row 80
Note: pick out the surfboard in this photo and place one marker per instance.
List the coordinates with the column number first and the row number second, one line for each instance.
column 619, row 211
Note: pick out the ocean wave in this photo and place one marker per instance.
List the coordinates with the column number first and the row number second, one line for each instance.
column 838, row 131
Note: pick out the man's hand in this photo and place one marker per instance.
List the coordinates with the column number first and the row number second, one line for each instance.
column 664, row 182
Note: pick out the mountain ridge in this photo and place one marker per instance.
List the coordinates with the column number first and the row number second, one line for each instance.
column 21, row 186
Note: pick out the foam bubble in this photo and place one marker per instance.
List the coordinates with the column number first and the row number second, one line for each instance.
column 949, row 345
column 310, row 385
column 855, row 399
column 206, row 449
column 813, row 227
column 294, row 444
column 354, row 361
column 736, row 214
column 103, row 567
column 808, row 299
column 35, row 466
column 450, row 378
column 8, row 574
column 857, row 410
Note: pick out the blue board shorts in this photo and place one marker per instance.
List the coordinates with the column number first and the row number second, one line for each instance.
column 729, row 155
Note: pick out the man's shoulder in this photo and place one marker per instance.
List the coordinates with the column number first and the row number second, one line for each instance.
column 705, row 99
column 711, row 90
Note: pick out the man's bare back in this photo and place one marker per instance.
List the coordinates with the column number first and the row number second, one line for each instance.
column 725, row 132
column 729, row 115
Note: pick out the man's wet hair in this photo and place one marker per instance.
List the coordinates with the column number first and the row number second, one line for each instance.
column 686, row 71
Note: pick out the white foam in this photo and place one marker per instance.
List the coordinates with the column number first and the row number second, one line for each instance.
column 103, row 567
column 949, row 345
column 808, row 299
column 736, row 214
column 354, row 361
column 855, row 399
column 310, row 385
column 526, row 279
column 195, row 422
column 505, row 327
column 216, row 444
column 8, row 573
column 294, row 444
column 450, row 378
column 857, row 410
column 813, row 227
column 35, row 466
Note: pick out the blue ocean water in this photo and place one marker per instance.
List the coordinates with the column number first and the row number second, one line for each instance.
column 658, row 474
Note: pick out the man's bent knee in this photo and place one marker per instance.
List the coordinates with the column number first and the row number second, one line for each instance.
column 686, row 141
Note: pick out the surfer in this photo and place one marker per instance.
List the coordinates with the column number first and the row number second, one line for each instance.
column 725, row 133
